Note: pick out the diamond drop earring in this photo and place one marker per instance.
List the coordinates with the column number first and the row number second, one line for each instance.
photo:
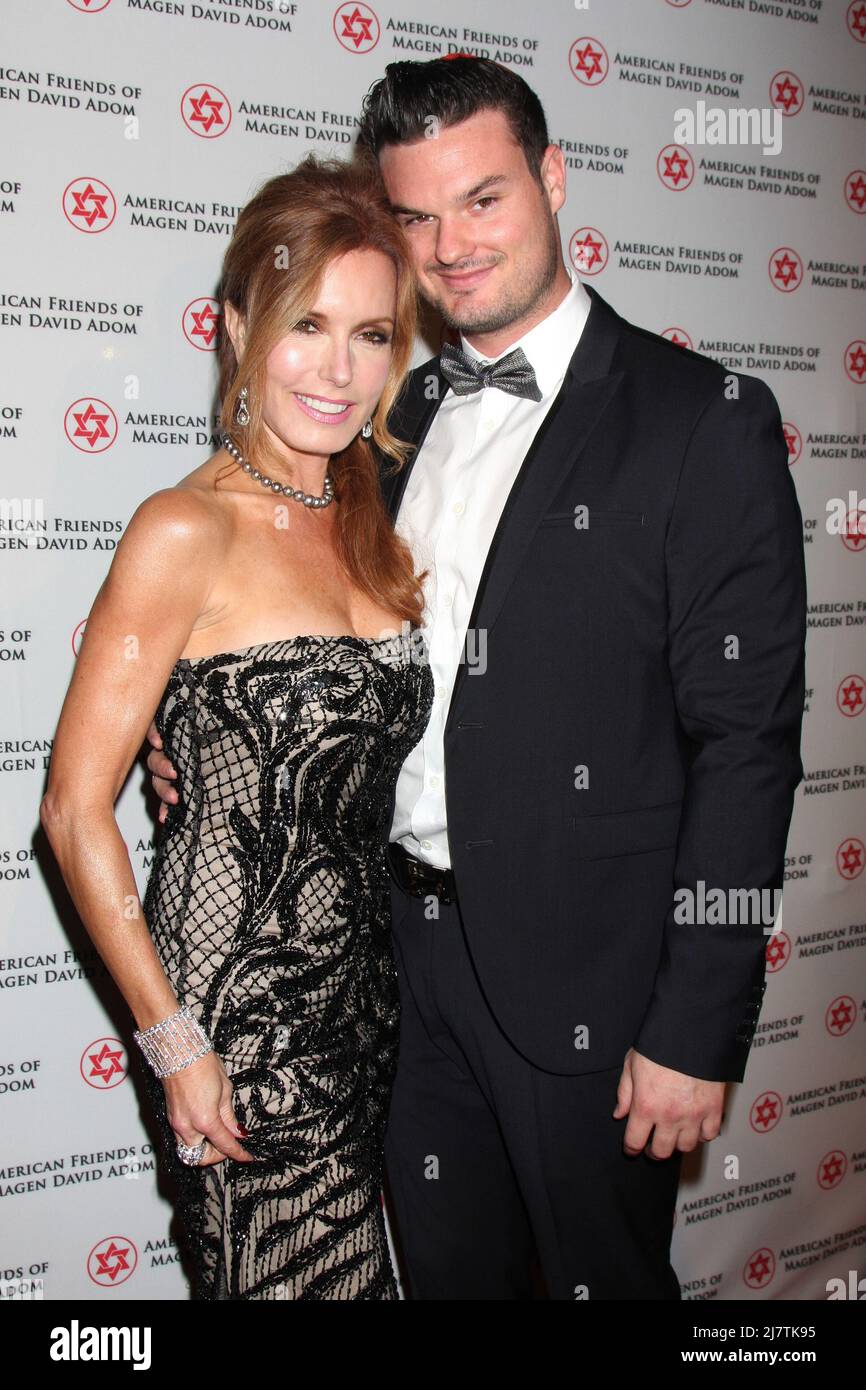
column 242, row 415
column 367, row 430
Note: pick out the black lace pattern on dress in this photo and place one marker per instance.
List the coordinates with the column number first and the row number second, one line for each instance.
column 269, row 905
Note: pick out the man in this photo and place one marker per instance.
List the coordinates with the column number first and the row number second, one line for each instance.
column 616, row 624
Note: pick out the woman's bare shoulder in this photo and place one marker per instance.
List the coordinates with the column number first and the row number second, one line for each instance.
column 177, row 507
column 192, row 510
column 183, row 517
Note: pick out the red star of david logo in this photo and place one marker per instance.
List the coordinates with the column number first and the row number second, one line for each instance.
column 112, row 1261
column 363, row 33
column 787, row 93
column 831, row 1169
column 778, row 950
column 206, row 111
column 759, row 1268
column 676, row 167
column 90, row 425
column 675, row 338
column 205, row 322
column 785, row 269
column 856, row 363
column 849, row 858
column 89, row 205
column 588, row 250
column 840, row 1015
column 589, row 63
column 106, row 1063
column 793, row 441
column 855, row 190
column 854, row 535
column 766, row 1112
column 857, row 22
column 851, row 695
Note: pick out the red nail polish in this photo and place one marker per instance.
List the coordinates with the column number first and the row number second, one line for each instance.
column 242, row 1129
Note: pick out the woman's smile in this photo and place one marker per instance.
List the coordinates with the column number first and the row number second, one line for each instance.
column 321, row 408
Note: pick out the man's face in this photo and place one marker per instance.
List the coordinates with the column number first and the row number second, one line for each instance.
column 483, row 235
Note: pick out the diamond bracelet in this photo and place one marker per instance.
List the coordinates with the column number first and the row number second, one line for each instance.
column 167, row 1045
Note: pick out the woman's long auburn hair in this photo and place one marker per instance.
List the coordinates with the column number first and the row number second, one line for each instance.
column 285, row 237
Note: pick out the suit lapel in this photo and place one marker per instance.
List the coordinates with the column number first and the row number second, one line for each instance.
column 586, row 393
column 411, row 418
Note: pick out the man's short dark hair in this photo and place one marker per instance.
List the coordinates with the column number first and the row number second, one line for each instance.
column 397, row 109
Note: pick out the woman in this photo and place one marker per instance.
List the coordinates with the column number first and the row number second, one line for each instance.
column 253, row 609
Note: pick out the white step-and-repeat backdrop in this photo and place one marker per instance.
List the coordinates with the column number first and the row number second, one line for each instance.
column 132, row 133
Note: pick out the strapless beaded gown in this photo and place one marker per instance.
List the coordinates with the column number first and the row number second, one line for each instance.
column 269, row 905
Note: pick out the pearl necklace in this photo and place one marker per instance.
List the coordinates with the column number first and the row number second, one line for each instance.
column 307, row 498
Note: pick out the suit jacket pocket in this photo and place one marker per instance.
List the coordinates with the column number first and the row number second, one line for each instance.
column 627, row 832
column 597, row 517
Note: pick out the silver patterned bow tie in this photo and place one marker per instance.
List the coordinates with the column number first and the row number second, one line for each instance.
column 512, row 373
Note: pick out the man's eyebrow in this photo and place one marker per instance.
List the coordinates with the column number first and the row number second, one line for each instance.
column 467, row 197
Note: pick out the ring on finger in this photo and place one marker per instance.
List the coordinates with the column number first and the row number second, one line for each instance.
column 191, row 1154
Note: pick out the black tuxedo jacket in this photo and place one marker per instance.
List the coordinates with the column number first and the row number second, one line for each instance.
column 660, row 647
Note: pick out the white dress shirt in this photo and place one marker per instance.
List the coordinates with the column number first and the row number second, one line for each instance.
column 450, row 508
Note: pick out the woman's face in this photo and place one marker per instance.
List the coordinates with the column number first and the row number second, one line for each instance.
column 326, row 376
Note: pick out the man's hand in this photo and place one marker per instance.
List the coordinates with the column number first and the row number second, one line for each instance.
column 684, row 1109
column 162, row 770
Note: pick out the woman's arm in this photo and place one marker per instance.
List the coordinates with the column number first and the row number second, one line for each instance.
column 140, row 622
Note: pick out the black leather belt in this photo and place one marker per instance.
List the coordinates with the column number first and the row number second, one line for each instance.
column 418, row 878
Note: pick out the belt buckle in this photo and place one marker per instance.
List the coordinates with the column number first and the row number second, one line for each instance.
column 414, row 874
column 435, row 885
column 441, row 889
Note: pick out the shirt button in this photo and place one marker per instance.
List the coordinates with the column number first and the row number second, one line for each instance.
column 488, row 426
column 435, row 781
column 425, row 844
column 458, row 508
column 440, row 691
column 447, row 599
